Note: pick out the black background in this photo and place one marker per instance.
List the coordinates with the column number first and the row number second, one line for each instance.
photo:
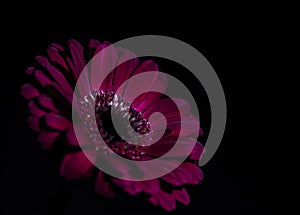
column 246, row 174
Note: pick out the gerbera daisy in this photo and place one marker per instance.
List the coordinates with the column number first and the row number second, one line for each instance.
column 50, row 93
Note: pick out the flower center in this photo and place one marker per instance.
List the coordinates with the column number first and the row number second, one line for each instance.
column 133, row 128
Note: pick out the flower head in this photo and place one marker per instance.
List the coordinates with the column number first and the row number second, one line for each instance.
column 50, row 95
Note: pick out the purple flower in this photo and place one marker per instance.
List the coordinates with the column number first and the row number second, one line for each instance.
column 50, row 96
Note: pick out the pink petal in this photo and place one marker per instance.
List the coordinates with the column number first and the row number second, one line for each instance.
column 102, row 64
column 150, row 186
column 160, row 166
column 45, row 81
column 116, row 164
column 76, row 50
column 182, row 105
column 71, row 138
column 169, row 107
column 57, row 46
column 184, row 175
column 154, row 82
column 172, row 179
column 194, row 171
column 145, row 66
column 57, row 122
column 76, row 166
column 42, row 78
column 34, row 110
column 200, row 133
column 189, row 126
column 34, row 123
column 56, row 74
column 59, row 89
column 182, row 196
column 102, row 186
column 125, row 69
column 81, row 135
column 150, row 98
column 29, row 92
column 153, row 200
column 29, row 70
column 160, row 148
column 55, row 56
column 93, row 44
column 92, row 47
column 46, row 102
column 186, row 126
column 47, row 138
column 144, row 101
column 131, row 187
column 167, row 201
column 107, row 83
column 197, row 152
column 72, row 67
column 183, row 146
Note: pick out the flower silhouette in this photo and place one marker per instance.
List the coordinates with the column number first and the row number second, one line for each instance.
column 50, row 93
